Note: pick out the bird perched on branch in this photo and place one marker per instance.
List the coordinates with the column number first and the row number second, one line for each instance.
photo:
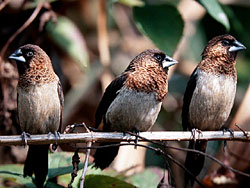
column 39, row 105
column 209, row 95
column 133, row 100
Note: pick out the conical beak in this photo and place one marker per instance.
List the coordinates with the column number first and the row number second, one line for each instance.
column 237, row 46
column 168, row 62
column 18, row 56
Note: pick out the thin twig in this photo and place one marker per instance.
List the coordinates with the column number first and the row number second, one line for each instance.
column 24, row 26
column 245, row 133
column 157, row 150
column 195, row 151
column 103, row 45
column 75, row 163
column 85, row 165
column 3, row 4
column 120, row 137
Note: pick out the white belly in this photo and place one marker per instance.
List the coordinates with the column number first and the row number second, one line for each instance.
column 212, row 101
column 133, row 110
column 39, row 109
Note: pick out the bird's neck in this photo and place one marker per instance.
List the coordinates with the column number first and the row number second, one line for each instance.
column 148, row 79
column 219, row 66
column 34, row 77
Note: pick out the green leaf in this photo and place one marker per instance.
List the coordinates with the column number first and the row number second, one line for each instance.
column 131, row 3
column 96, row 181
column 66, row 35
column 162, row 23
column 60, row 163
column 214, row 9
column 145, row 179
column 14, row 173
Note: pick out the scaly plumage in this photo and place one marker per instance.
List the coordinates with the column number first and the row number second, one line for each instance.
column 210, row 94
column 39, row 104
column 133, row 100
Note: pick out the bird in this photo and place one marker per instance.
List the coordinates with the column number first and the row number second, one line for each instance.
column 39, row 105
column 209, row 96
column 132, row 101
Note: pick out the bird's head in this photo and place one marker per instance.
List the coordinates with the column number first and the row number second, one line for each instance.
column 223, row 46
column 152, row 58
column 30, row 57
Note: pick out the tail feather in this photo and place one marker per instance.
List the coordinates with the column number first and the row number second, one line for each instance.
column 37, row 163
column 105, row 156
column 194, row 161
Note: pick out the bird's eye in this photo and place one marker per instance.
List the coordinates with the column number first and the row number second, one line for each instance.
column 158, row 57
column 225, row 42
column 30, row 54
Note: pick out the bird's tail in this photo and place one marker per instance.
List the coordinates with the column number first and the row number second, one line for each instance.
column 105, row 156
column 194, row 161
column 37, row 163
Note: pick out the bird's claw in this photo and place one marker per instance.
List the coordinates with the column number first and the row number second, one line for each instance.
column 194, row 131
column 231, row 131
column 136, row 137
column 57, row 136
column 24, row 136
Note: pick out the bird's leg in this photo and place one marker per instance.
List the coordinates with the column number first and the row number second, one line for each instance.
column 225, row 129
column 136, row 132
column 57, row 136
column 24, row 136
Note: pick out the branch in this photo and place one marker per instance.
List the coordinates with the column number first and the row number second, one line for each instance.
column 119, row 137
column 3, row 4
column 24, row 26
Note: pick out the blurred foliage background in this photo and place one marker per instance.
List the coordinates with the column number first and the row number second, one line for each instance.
column 90, row 42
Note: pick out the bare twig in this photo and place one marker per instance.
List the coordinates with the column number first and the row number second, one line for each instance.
column 119, row 137
column 245, row 133
column 75, row 163
column 195, row 151
column 103, row 33
column 157, row 150
column 85, row 165
column 24, row 26
column 3, row 4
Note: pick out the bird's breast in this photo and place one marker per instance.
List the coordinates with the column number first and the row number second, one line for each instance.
column 132, row 110
column 39, row 108
column 212, row 101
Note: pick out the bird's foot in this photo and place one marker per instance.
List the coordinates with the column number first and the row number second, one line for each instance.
column 194, row 131
column 224, row 129
column 136, row 132
column 57, row 136
column 231, row 131
column 24, row 136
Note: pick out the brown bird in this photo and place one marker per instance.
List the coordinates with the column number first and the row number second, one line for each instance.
column 39, row 105
column 133, row 100
column 209, row 95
